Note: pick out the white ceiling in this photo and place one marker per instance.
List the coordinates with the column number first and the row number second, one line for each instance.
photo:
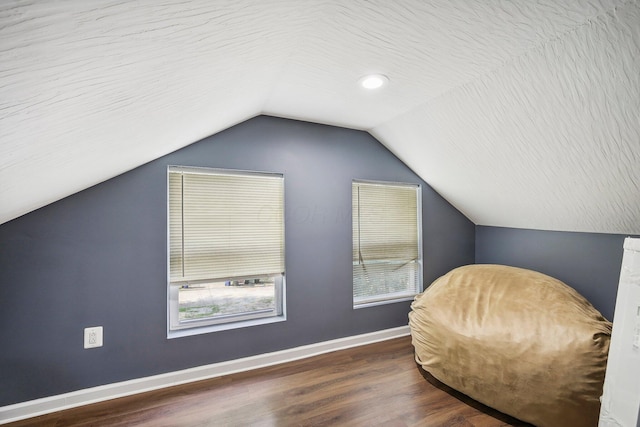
column 521, row 113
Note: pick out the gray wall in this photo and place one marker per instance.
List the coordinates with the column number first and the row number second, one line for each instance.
column 588, row 262
column 99, row 258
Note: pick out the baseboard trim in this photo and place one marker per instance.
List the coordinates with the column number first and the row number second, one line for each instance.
column 33, row 408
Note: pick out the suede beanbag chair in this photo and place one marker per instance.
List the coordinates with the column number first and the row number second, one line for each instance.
column 516, row 340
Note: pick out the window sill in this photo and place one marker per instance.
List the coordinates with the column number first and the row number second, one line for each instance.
column 198, row 330
column 383, row 302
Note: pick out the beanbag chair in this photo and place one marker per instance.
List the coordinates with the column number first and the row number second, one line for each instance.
column 516, row 340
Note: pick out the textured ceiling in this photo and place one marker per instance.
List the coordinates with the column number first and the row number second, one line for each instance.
column 521, row 113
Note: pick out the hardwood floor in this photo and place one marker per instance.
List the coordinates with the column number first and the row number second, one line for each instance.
column 373, row 385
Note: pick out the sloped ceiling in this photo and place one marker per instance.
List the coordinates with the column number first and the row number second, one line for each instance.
column 521, row 113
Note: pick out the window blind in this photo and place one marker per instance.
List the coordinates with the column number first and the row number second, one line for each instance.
column 386, row 241
column 225, row 225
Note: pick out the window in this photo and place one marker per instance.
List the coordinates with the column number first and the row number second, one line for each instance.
column 387, row 256
column 226, row 248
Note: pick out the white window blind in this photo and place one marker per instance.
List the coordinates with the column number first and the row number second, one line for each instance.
column 224, row 225
column 386, row 241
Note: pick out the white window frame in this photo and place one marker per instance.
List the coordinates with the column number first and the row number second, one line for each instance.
column 389, row 298
column 176, row 327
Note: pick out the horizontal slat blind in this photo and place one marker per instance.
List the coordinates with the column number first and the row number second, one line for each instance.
column 385, row 222
column 385, row 239
column 232, row 225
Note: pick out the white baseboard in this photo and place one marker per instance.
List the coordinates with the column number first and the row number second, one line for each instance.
column 46, row 405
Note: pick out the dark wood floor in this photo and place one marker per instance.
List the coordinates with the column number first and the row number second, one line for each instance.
column 373, row 385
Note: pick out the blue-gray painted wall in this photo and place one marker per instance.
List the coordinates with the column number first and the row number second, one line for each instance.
column 98, row 258
column 588, row 262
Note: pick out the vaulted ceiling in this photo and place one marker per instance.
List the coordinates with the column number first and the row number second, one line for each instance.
column 521, row 113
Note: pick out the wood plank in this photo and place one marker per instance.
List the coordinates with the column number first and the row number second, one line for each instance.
column 376, row 384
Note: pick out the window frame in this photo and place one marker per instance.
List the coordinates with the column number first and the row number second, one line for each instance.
column 178, row 328
column 381, row 299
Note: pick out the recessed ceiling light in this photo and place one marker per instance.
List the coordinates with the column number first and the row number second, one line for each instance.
column 374, row 81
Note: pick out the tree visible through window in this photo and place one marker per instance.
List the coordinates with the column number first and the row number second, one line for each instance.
column 226, row 246
column 387, row 262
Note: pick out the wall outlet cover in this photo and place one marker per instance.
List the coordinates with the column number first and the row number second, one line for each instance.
column 93, row 337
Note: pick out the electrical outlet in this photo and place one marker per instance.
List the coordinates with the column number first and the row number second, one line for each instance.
column 93, row 337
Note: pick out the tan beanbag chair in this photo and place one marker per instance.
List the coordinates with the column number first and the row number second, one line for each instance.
column 516, row 340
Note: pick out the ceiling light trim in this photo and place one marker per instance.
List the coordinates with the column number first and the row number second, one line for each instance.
column 373, row 81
